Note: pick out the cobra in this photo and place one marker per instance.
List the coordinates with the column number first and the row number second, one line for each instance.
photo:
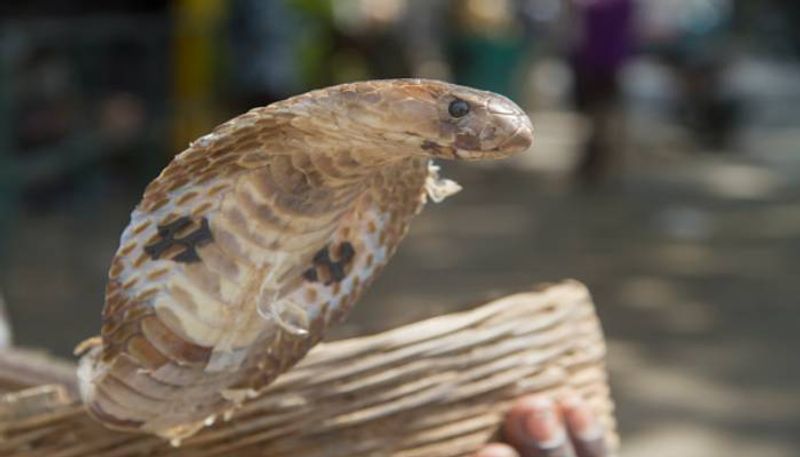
column 263, row 233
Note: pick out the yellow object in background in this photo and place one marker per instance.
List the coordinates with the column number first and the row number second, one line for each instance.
column 196, row 40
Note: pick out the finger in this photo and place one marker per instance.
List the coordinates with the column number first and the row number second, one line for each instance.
column 535, row 429
column 583, row 427
column 497, row 450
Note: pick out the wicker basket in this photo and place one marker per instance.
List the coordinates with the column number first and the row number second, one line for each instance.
column 435, row 388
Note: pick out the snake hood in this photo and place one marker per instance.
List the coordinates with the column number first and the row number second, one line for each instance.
column 263, row 233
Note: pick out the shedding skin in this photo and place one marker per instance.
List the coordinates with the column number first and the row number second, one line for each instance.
column 263, row 233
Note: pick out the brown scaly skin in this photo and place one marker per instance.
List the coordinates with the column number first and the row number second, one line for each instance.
column 264, row 232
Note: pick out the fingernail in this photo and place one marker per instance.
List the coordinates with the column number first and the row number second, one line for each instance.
column 497, row 450
column 580, row 418
column 540, row 425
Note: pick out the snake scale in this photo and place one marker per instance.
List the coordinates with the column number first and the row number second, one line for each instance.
column 261, row 234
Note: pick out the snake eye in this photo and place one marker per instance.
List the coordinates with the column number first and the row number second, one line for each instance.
column 458, row 108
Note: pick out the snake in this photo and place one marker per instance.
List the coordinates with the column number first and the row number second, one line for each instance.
column 263, row 233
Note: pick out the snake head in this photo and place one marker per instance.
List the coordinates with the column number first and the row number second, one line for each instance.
column 471, row 124
column 434, row 118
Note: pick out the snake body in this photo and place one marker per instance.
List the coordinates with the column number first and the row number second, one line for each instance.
column 261, row 234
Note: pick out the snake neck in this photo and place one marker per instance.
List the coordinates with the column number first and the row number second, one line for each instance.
column 343, row 148
column 355, row 165
column 357, row 141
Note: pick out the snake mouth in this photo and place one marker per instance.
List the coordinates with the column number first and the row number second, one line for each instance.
column 519, row 141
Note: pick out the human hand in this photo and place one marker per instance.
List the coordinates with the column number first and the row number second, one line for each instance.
column 537, row 426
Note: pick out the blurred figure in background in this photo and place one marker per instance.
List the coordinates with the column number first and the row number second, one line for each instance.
column 602, row 43
column 426, row 31
column 693, row 38
column 488, row 46
column 265, row 40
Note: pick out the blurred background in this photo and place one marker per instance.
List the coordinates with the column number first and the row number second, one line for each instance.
column 664, row 174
